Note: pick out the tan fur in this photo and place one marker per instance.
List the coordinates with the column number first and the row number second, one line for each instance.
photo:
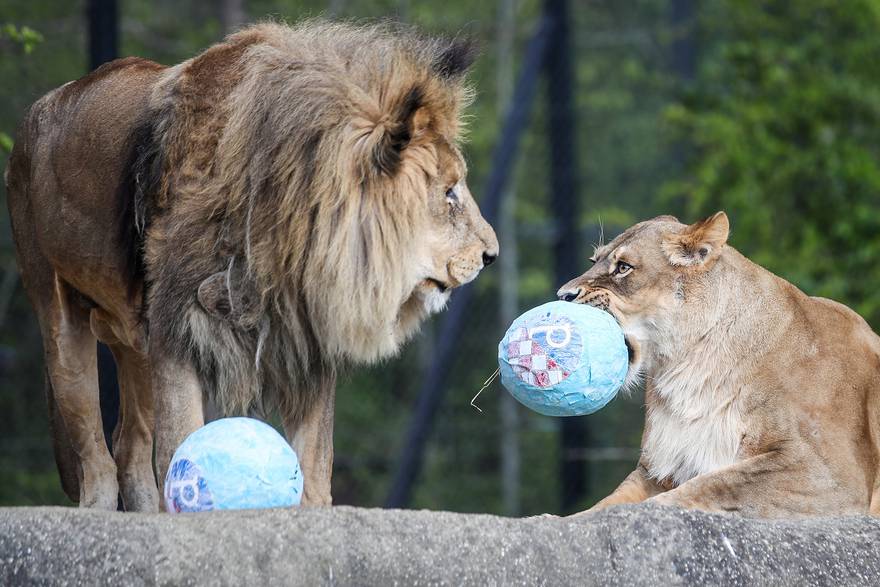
column 288, row 199
column 759, row 398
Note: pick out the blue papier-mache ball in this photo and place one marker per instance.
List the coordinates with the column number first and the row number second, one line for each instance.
column 233, row 464
column 563, row 359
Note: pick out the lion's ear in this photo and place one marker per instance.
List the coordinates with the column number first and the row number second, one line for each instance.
column 456, row 57
column 698, row 243
column 408, row 119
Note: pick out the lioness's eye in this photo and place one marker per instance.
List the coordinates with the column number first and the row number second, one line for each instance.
column 452, row 193
column 622, row 268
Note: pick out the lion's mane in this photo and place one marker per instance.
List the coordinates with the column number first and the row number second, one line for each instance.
column 279, row 168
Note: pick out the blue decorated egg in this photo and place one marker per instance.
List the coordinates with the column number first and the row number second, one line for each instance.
column 233, row 464
column 563, row 359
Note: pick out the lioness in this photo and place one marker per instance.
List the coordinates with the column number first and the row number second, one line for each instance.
column 760, row 399
column 239, row 224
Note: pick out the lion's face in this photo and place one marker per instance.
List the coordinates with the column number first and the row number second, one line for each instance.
column 642, row 277
column 341, row 186
column 405, row 228
column 458, row 242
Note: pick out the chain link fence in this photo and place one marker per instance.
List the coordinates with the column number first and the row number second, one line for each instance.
column 503, row 459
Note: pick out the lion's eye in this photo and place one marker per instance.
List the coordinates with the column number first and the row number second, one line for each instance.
column 622, row 268
column 452, row 194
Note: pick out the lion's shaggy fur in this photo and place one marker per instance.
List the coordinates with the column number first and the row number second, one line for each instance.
column 287, row 157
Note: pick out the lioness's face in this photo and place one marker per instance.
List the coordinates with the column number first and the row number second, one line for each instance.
column 641, row 276
column 459, row 242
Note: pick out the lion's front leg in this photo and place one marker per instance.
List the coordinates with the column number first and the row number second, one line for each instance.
column 637, row 487
column 177, row 397
column 312, row 439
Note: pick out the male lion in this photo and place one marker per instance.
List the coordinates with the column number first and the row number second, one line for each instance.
column 760, row 399
column 289, row 200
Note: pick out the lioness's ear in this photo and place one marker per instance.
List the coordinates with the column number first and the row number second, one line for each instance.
column 698, row 243
column 408, row 119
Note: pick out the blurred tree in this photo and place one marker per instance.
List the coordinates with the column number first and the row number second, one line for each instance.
column 232, row 15
column 784, row 121
column 508, row 268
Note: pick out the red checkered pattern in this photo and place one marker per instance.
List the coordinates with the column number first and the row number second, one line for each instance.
column 530, row 362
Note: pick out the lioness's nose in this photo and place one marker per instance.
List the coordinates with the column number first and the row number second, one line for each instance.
column 489, row 258
column 568, row 294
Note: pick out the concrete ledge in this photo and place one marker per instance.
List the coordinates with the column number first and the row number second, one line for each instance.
column 633, row 545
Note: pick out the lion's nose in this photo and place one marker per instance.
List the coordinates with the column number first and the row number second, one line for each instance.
column 489, row 258
column 568, row 295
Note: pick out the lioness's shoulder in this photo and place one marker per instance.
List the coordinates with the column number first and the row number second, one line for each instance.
column 836, row 318
column 836, row 307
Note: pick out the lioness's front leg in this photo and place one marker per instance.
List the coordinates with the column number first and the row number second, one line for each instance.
column 177, row 396
column 763, row 485
column 312, row 439
column 637, row 487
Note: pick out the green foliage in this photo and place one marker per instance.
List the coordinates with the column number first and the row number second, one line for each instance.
column 783, row 122
column 24, row 36
column 5, row 142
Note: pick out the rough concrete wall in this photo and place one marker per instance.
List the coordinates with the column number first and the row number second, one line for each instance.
column 633, row 545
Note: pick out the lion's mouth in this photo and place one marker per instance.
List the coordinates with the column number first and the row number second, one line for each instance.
column 441, row 287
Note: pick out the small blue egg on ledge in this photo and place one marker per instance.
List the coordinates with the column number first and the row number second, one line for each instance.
column 563, row 359
column 233, row 464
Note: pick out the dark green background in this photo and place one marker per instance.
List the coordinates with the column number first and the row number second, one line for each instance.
column 776, row 122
